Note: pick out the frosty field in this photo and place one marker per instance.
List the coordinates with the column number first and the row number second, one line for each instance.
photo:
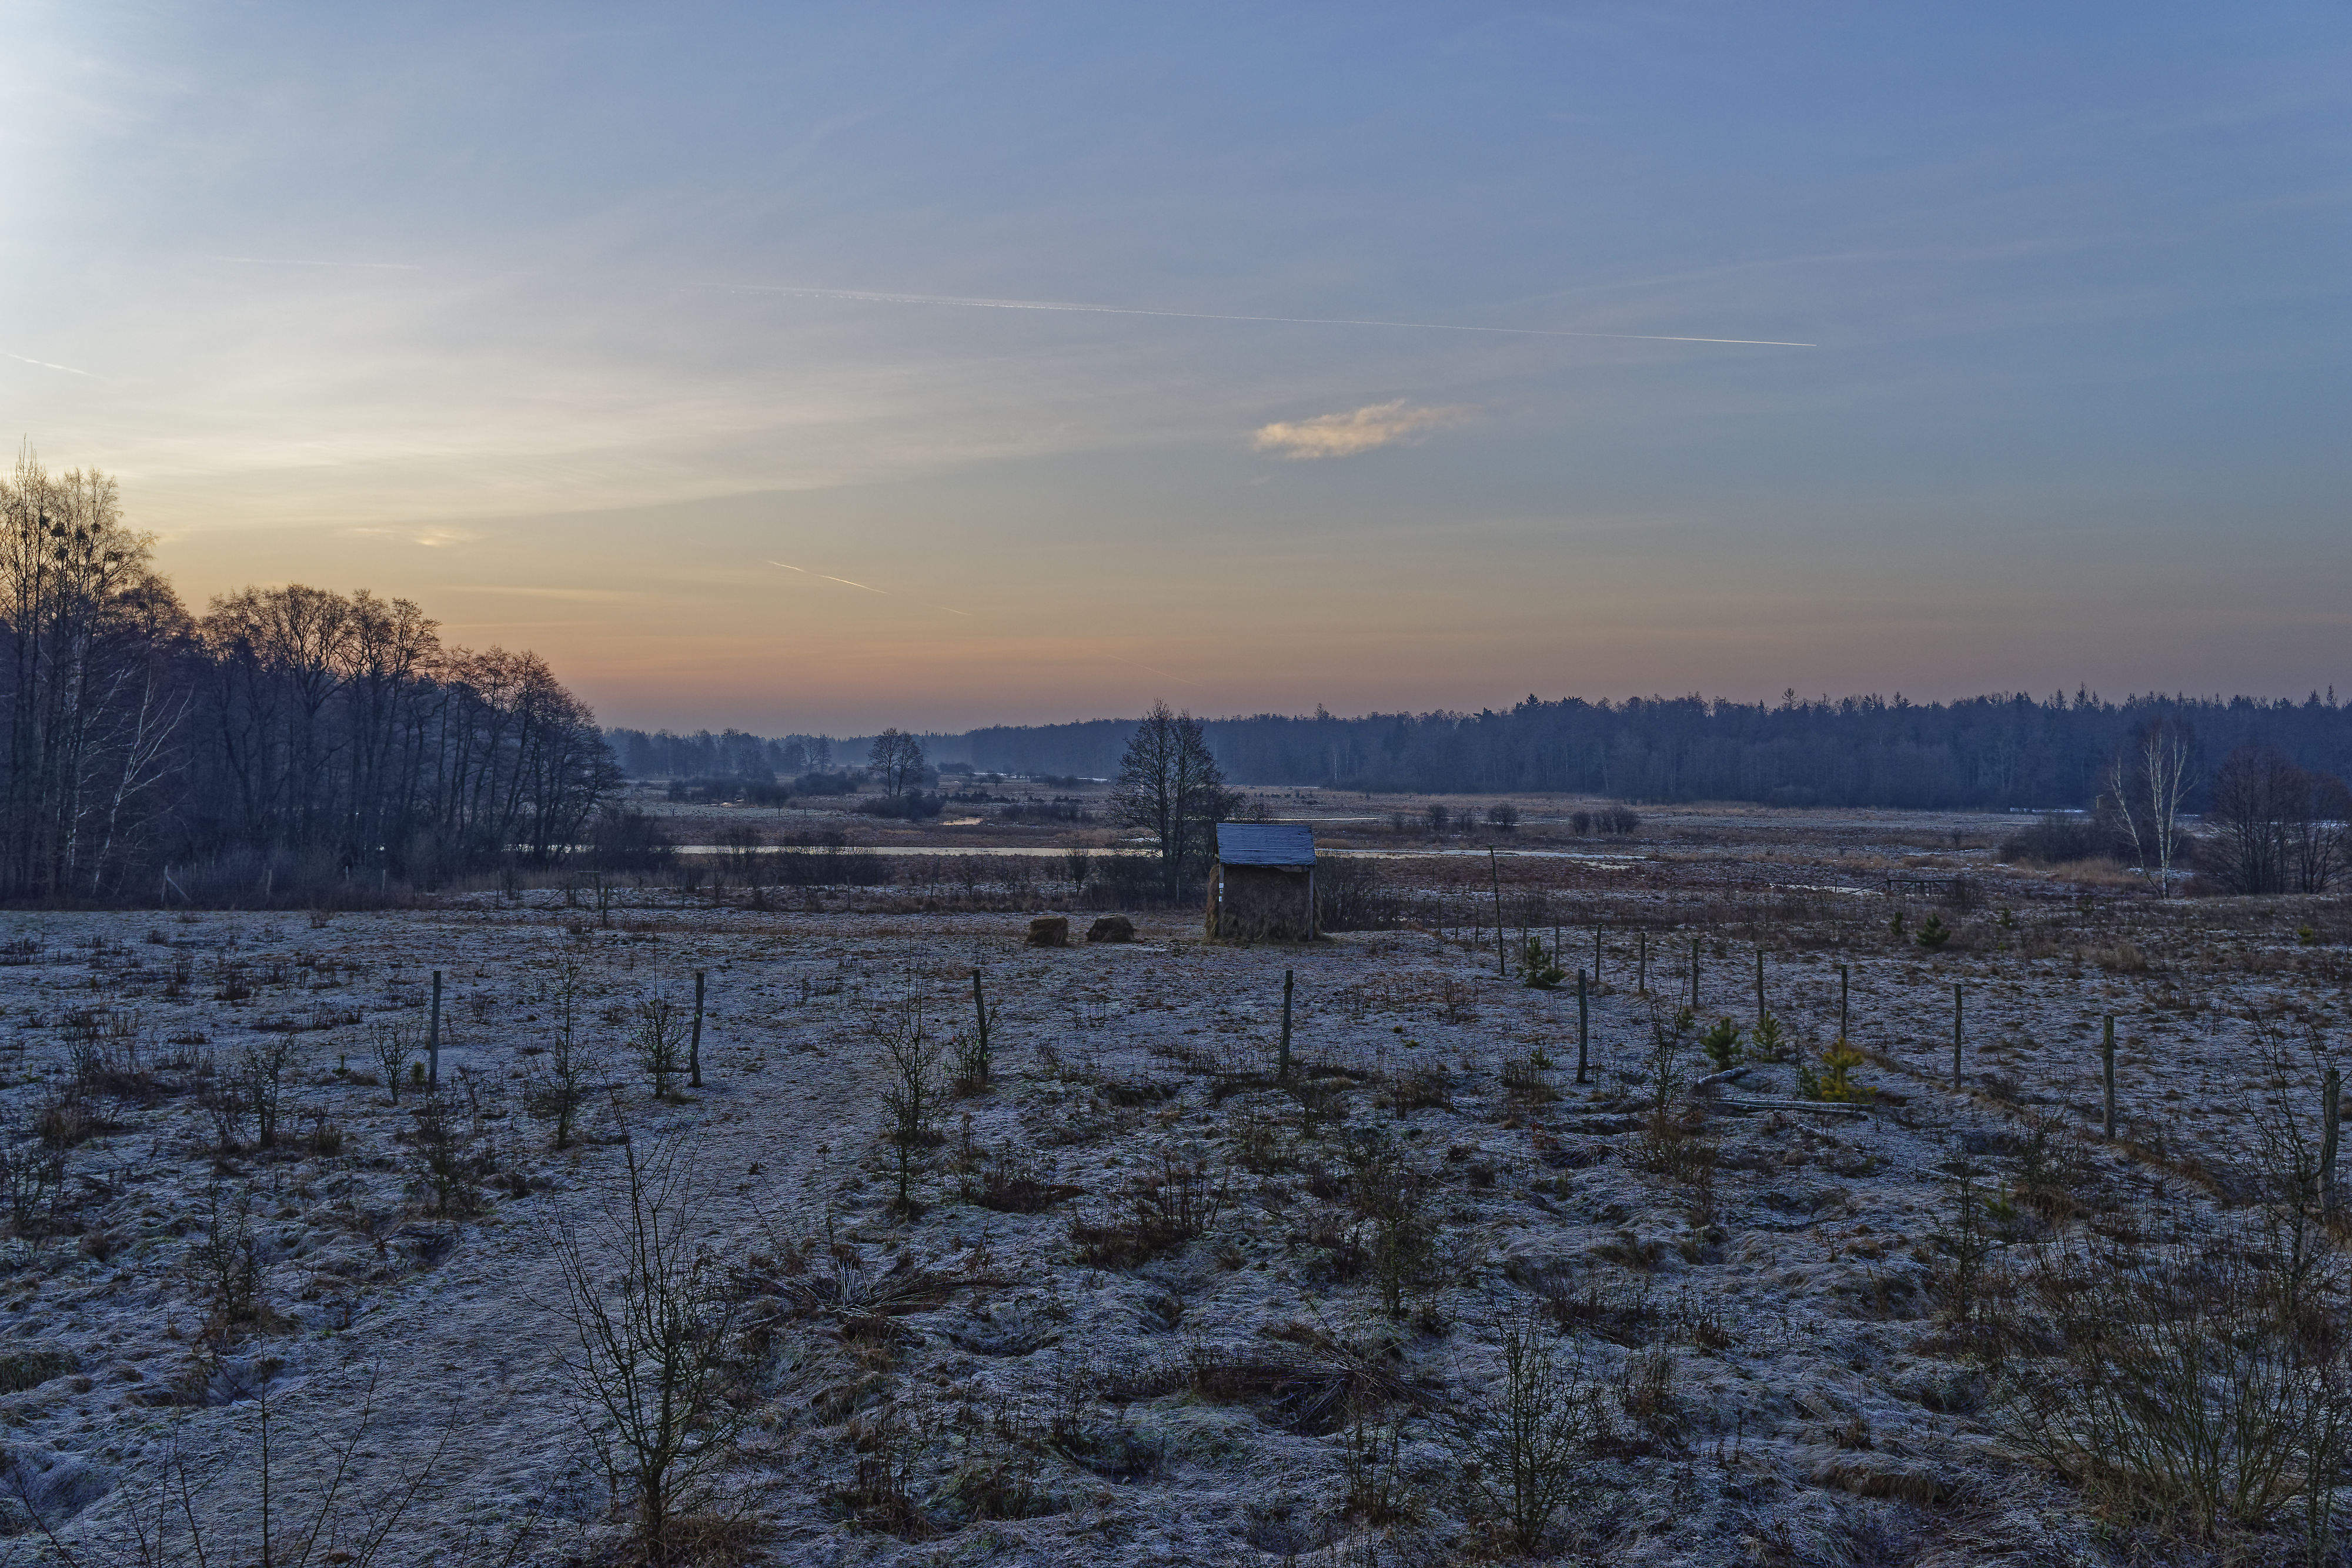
column 1153, row 1300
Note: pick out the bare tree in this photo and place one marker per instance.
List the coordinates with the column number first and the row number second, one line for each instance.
column 897, row 758
column 571, row 1062
column 395, row 1045
column 2148, row 779
column 659, row 1031
column 648, row 1321
column 261, row 1075
column 80, row 618
column 1170, row 785
column 2281, row 829
column 2319, row 840
column 910, row 1097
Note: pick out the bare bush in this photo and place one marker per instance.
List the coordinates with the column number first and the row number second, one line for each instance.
column 452, row 1157
column 319, row 1506
column 393, row 1046
column 1392, row 1197
column 1176, row 1200
column 648, row 1323
column 224, row 1264
column 657, row 1030
column 910, row 1094
column 32, row 1181
column 261, row 1077
column 573, row 1062
column 2180, row 1392
column 1522, row 1442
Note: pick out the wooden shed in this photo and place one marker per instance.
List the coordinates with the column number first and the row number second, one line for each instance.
column 1262, row 883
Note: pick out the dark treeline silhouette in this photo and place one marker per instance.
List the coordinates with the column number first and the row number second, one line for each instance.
column 1992, row 752
column 287, row 742
column 730, row 754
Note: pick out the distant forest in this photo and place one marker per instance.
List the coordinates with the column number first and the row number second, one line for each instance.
column 1990, row 752
column 730, row 754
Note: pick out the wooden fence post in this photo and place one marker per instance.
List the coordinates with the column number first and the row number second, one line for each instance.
column 1583, row 1028
column 1282, row 1062
column 1955, row 1034
column 1845, row 994
column 2107, row 1072
column 1641, row 962
column 2331, row 1100
column 433, row 1039
column 1694, row 1001
column 694, row 1045
column 1502, row 958
column 1759, row 985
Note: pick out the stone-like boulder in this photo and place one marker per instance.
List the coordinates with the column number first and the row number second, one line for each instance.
column 1111, row 928
column 1050, row 930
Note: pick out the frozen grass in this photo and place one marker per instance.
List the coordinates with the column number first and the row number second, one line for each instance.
column 1142, row 1301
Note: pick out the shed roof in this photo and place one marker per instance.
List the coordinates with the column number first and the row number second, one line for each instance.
column 1265, row 843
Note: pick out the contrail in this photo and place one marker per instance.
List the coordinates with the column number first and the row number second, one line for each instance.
column 844, row 582
column 47, row 365
column 1211, row 316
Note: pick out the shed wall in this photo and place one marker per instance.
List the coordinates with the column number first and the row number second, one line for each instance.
column 1262, row 903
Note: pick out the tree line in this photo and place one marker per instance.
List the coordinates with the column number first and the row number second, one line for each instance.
column 288, row 737
column 729, row 754
column 1998, row 752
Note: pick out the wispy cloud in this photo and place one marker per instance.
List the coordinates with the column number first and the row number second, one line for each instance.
column 868, row 297
column 1345, row 435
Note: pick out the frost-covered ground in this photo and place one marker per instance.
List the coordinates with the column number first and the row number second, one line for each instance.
column 1146, row 1309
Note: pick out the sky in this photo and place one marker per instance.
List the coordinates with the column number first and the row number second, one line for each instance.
column 822, row 368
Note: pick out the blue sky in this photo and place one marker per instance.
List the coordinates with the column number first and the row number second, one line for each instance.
column 539, row 315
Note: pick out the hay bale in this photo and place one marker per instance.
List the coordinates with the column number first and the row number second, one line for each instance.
column 1111, row 928
column 1050, row 930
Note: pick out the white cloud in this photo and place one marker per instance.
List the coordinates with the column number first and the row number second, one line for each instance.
column 1345, row 435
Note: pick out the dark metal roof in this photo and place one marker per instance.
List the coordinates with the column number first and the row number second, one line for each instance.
column 1265, row 843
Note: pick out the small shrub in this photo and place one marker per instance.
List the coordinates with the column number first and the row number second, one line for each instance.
column 1522, row 1442
column 1834, row 1083
column 224, row 1264
column 1010, row 1184
column 1721, row 1044
column 451, row 1158
column 911, row 1092
column 1419, row 1087
column 1176, row 1202
column 23, row 1369
column 32, row 1179
column 658, row 1031
column 1526, row 1081
column 1538, row 967
column 1933, row 932
column 1392, row 1197
column 395, row 1045
column 2184, row 1390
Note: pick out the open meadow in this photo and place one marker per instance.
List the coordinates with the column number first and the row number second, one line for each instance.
column 1129, row 1282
